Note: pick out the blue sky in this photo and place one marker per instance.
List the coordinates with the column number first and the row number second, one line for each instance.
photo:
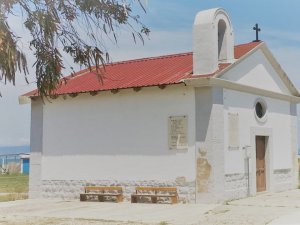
column 171, row 23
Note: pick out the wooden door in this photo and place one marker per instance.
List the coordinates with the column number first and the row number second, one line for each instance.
column 260, row 163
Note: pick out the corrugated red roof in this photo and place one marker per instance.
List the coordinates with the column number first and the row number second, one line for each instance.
column 155, row 71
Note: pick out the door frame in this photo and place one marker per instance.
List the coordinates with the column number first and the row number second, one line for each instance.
column 267, row 133
column 260, row 147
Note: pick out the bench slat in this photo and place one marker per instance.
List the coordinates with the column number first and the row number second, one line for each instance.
column 155, row 192
column 102, row 194
column 156, row 189
column 153, row 195
column 103, row 188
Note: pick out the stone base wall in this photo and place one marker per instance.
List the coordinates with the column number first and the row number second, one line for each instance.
column 236, row 186
column 70, row 189
column 283, row 180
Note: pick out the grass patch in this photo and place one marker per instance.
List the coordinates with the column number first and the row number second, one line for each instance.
column 14, row 183
column 163, row 223
column 13, row 197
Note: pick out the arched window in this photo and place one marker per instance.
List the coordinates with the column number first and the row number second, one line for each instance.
column 222, row 40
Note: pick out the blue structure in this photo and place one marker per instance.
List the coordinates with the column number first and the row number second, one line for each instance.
column 25, row 161
column 25, row 166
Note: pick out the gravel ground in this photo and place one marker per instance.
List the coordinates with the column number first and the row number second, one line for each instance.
column 259, row 210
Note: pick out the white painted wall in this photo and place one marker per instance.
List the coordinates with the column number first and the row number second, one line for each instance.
column 36, row 145
column 257, row 72
column 121, row 136
column 278, row 121
column 209, row 145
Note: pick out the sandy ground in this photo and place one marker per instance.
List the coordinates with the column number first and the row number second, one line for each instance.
column 274, row 209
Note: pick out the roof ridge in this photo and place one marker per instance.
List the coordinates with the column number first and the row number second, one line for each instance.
column 149, row 58
column 161, row 56
column 252, row 42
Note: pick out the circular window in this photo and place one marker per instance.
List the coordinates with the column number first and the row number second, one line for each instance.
column 260, row 110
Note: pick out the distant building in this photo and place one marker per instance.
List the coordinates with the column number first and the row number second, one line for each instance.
column 219, row 123
column 25, row 161
column 14, row 163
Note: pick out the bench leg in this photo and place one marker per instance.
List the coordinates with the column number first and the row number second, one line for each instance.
column 82, row 197
column 120, row 198
column 134, row 199
column 100, row 198
column 174, row 199
column 153, row 199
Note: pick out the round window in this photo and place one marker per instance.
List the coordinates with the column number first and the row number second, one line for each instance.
column 260, row 110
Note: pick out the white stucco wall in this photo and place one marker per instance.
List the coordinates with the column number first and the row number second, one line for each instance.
column 36, row 148
column 257, row 72
column 209, row 145
column 121, row 136
column 278, row 121
column 281, row 145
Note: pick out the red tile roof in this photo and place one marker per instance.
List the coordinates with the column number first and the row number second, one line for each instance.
column 155, row 71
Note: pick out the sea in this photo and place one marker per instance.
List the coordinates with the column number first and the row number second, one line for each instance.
column 14, row 150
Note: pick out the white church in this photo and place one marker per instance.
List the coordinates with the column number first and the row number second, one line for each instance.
column 218, row 123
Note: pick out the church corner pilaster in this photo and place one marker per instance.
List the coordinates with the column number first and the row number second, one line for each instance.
column 294, row 143
column 218, row 143
column 36, row 149
column 210, row 177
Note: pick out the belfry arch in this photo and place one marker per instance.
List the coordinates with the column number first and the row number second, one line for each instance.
column 222, row 40
column 213, row 41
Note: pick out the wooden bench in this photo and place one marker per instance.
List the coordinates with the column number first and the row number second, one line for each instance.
column 154, row 193
column 101, row 192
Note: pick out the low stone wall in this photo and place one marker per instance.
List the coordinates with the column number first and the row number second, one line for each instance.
column 236, row 186
column 70, row 189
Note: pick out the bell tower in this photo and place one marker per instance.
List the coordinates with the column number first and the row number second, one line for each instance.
column 213, row 41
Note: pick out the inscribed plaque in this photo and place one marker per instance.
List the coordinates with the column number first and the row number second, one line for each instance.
column 178, row 132
column 233, row 131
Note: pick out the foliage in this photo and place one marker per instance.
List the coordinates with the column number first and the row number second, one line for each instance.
column 73, row 27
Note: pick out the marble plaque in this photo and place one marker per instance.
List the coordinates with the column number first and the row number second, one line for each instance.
column 233, row 131
column 178, row 138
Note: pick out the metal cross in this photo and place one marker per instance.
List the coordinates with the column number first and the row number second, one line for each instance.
column 257, row 29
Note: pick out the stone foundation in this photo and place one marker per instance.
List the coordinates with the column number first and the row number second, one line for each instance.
column 283, row 179
column 70, row 189
column 236, row 186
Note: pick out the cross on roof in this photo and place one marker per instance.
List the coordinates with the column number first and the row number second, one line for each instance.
column 257, row 29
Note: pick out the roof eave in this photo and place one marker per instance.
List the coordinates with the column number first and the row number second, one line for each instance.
column 217, row 82
column 24, row 100
column 263, row 47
